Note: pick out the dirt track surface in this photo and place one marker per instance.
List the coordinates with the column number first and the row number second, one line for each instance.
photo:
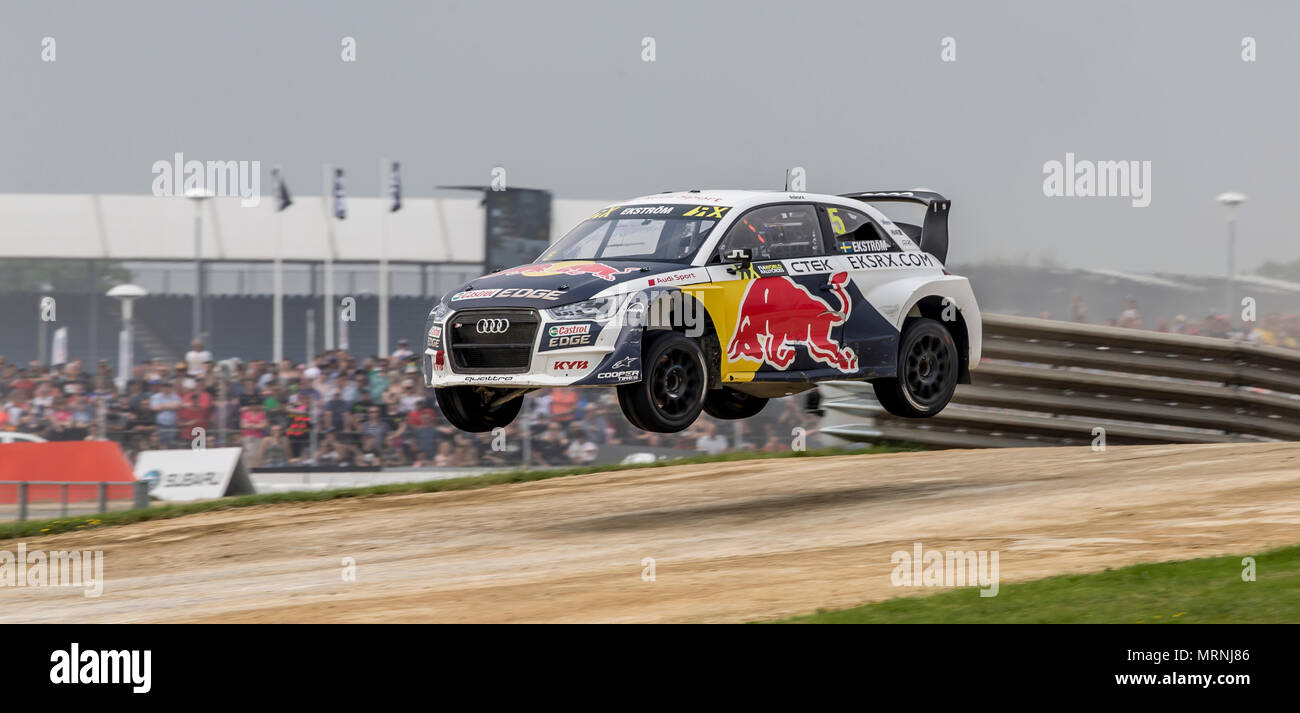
column 731, row 541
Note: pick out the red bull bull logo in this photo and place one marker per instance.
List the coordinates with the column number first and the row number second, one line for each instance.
column 569, row 267
column 776, row 314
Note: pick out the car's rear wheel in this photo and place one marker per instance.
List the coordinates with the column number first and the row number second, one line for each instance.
column 730, row 404
column 927, row 372
column 470, row 408
column 670, row 395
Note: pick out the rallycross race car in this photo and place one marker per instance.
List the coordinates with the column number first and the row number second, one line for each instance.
column 715, row 301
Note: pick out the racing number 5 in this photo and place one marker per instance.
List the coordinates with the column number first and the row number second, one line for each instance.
column 837, row 223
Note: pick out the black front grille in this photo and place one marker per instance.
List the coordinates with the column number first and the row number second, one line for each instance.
column 495, row 341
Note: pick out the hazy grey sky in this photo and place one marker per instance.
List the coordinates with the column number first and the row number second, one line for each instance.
column 558, row 94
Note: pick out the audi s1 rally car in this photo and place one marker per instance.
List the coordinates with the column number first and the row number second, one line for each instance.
column 715, row 301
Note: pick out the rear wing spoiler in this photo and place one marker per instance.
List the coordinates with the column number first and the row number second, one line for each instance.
column 934, row 233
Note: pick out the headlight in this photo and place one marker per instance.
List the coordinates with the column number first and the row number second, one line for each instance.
column 433, row 326
column 600, row 309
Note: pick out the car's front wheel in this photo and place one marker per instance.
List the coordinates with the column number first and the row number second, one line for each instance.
column 927, row 372
column 727, row 403
column 674, row 380
column 472, row 409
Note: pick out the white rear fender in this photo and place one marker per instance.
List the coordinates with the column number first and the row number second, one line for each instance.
column 909, row 297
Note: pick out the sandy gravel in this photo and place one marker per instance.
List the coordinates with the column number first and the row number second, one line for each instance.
column 730, row 541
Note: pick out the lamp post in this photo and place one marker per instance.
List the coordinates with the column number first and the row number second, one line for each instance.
column 1232, row 200
column 126, row 294
column 198, row 196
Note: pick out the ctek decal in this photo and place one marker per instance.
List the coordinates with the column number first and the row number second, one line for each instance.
column 812, row 265
column 777, row 314
column 569, row 267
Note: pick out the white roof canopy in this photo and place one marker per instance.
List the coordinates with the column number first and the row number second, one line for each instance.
column 143, row 227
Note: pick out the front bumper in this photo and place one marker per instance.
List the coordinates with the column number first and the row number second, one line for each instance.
column 561, row 353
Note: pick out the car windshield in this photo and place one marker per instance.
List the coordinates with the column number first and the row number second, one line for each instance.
column 662, row 233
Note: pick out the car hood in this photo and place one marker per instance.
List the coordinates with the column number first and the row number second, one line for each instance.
column 552, row 284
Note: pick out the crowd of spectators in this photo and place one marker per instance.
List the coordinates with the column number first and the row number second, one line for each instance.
column 341, row 410
column 1274, row 329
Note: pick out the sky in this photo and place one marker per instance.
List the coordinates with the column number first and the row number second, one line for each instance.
column 857, row 93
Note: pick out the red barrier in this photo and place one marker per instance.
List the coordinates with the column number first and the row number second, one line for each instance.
column 64, row 460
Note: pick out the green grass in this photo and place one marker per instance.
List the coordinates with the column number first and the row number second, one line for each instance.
column 34, row 528
column 1200, row 591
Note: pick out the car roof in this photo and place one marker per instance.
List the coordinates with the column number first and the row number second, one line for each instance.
column 736, row 198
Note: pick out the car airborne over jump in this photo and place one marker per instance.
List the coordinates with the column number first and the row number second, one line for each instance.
column 715, row 301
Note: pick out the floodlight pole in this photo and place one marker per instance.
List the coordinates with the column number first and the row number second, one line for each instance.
column 1231, row 200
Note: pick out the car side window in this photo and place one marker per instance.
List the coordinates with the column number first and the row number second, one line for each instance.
column 775, row 232
column 855, row 232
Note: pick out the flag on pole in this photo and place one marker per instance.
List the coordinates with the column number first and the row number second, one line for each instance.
column 281, row 190
column 395, row 187
column 340, row 211
column 59, row 353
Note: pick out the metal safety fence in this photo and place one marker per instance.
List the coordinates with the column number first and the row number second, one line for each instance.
column 1044, row 382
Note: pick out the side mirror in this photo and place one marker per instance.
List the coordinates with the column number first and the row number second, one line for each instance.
column 742, row 257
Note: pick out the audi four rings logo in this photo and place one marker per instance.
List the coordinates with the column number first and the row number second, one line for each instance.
column 492, row 326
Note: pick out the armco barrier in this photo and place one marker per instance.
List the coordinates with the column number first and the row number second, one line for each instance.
column 1044, row 382
column 139, row 497
column 62, row 469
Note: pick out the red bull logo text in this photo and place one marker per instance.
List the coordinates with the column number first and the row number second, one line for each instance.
column 569, row 267
column 776, row 314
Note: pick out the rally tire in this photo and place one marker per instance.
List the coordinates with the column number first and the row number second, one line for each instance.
column 674, row 380
column 730, row 404
column 467, row 408
column 928, row 366
column 625, row 404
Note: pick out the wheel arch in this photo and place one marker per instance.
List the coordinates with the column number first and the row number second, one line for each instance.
column 946, row 311
column 691, row 307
